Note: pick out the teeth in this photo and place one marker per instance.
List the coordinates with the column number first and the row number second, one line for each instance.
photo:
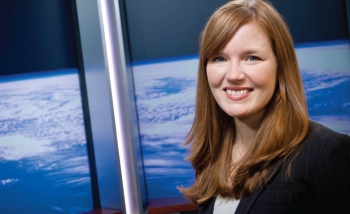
column 236, row 93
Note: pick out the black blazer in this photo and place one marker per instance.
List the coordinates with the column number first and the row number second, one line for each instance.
column 319, row 183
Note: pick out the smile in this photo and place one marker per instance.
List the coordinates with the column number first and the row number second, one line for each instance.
column 237, row 93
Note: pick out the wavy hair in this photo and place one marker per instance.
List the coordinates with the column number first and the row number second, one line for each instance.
column 212, row 136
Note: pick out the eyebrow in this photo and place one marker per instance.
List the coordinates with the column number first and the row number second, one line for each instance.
column 253, row 51
column 247, row 51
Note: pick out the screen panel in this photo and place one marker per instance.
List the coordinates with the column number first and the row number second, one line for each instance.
column 43, row 159
column 325, row 69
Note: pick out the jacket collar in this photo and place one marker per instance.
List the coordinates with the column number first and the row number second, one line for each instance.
column 246, row 203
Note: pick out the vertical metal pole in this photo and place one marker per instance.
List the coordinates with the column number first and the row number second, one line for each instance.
column 116, row 68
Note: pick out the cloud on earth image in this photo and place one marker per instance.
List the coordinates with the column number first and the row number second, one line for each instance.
column 43, row 155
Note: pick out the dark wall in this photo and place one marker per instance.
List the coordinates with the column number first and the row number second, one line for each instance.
column 314, row 20
column 36, row 35
column 168, row 28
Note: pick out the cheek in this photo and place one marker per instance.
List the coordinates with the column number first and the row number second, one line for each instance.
column 270, row 84
column 266, row 78
column 215, row 77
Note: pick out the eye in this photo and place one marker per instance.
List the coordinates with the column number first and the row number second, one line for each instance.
column 252, row 58
column 219, row 59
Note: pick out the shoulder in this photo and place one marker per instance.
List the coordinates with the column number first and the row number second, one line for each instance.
column 320, row 173
column 322, row 146
column 329, row 153
column 318, row 130
column 324, row 138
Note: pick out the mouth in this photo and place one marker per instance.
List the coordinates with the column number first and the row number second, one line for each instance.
column 237, row 93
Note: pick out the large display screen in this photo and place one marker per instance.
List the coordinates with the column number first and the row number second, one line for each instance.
column 165, row 97
column 43, row 153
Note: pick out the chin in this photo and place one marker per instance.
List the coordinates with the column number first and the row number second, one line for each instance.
column 235, row 114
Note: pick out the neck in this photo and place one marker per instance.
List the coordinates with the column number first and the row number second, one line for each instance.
column 245, row 130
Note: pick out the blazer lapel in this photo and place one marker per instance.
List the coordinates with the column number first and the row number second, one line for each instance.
column 246, row 203
column 207, row 207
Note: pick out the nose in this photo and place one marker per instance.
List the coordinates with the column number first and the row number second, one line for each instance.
column 235, row 72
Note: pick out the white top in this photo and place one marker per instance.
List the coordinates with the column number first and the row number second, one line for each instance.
column 225, row 206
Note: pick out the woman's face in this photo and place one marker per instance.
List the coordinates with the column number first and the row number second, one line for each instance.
column 242, row 76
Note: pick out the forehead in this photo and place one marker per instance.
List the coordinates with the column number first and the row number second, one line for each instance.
column 249, row 36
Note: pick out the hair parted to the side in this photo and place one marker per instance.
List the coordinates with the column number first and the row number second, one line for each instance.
column 285, row 123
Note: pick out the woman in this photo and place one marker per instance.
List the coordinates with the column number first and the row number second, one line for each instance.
column 253, row 147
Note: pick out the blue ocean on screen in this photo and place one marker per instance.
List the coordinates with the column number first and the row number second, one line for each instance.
column 165, row 99
column 43, row 155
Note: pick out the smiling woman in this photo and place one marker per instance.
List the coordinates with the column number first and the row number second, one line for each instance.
column 253, row 147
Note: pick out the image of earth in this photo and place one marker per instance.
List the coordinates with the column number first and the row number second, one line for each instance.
column 43, row 155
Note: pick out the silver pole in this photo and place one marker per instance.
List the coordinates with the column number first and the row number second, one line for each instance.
column 120, row 95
